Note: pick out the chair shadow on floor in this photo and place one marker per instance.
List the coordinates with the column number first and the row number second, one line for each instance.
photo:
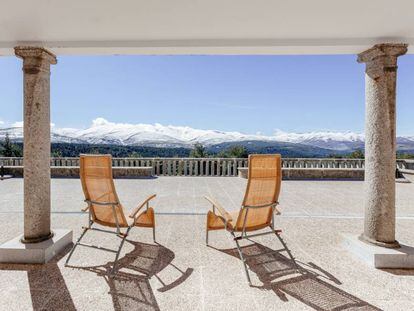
column 305, row 282
column 47, row 286
column 130, row 288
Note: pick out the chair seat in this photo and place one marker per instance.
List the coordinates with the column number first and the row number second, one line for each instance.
column 215, row 222
column 146, row 219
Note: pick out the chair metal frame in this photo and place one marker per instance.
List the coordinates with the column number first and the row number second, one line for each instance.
column 118, row 233
column 226, row 217
column 243, row 234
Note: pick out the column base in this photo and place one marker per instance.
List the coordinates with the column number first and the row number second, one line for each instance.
column 37, row 240
column 365, row 239
column 380, row 257
column 14, row 251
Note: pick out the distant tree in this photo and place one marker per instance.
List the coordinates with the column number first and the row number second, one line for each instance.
column 199, row 151
column 234, row 152
column 357, row 154
column 10, row 149
column 134, row 154
column 335, row 156
column 238, row 152
column 405, row 156
column 94, row 150
column 7, row 146
column 56, row 153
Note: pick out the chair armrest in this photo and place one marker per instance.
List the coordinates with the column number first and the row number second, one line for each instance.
column 277, row 211
column 137, row 209
column 221, row 209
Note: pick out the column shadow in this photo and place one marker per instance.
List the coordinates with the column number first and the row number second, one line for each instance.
column 305, row 282
column 406, row 272
column 47, row 286
column 130, row 288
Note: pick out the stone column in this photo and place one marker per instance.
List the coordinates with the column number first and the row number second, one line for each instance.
column 380, row 145
column 36, row 69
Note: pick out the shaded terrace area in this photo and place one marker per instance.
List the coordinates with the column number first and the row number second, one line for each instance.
column 181, row 273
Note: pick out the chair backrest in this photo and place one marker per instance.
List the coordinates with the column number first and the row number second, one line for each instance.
column 263, row 188
column 98, row 186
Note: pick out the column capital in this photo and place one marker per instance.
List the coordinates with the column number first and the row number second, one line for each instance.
column 382, row 58
column 35, row 59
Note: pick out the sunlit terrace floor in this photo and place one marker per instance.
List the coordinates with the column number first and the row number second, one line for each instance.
column 184, row 274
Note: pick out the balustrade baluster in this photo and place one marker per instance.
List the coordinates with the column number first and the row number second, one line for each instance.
column 174, row 167
column 157, row 170
column 180, row 167
column 185, row 164
column 192, row 167
column 164, row 167
column 169, row 164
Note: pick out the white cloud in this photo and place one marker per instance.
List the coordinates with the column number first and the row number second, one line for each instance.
column 100, row 121
column 17, row 124
column 1, row 122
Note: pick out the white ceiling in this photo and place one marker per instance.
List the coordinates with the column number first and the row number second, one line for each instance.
column 205, row 26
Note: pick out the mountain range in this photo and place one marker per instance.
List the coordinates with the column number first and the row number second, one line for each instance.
column 156, row 135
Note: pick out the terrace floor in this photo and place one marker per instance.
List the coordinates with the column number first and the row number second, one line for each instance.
column 184, row 274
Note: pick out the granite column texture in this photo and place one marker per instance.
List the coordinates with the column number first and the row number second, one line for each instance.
column 380, row 142
column 36, row 69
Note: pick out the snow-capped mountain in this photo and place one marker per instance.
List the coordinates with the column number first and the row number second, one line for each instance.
column 105, row 132
column 157, row 135
column 328, row 140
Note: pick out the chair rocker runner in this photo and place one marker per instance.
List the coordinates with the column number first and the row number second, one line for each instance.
column 104, row 207
column 258, row 207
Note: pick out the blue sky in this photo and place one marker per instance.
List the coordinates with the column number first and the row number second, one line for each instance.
column 233, row 93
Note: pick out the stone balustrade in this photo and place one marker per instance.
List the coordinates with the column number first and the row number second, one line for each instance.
column 160, row 166
column 213, row 166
